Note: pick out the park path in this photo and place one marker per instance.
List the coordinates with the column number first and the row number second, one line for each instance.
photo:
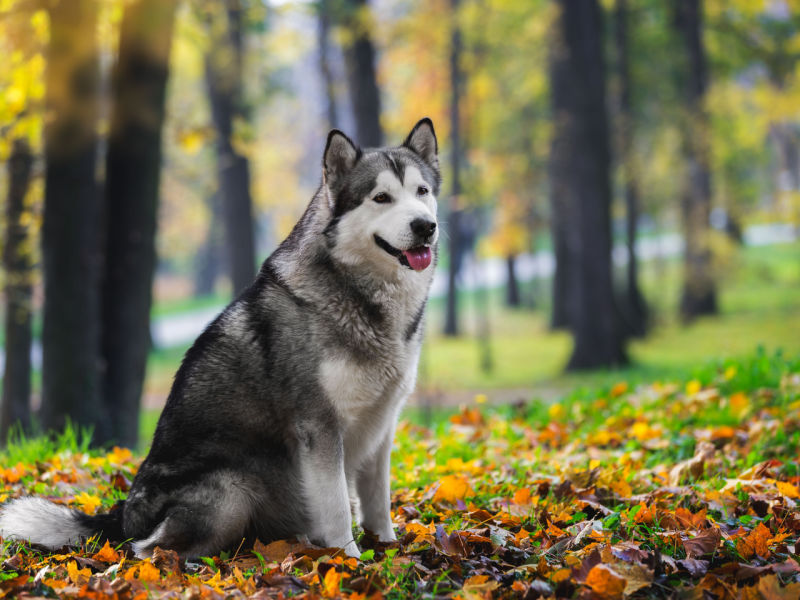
column 181, row 329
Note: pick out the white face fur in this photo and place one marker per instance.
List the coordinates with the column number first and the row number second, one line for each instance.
column 391, row 221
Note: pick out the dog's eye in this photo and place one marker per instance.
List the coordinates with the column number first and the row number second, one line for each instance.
column 422, row 190
column 382, row 198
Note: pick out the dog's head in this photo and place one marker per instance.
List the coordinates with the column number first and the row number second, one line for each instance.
column 382, row 201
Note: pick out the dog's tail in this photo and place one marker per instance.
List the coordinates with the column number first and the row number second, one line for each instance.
column 51, row 525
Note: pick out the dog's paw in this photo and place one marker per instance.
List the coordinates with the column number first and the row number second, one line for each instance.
column 351, row 549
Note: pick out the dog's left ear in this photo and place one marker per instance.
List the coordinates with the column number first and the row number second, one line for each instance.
column 422, row 140
column 341, row 155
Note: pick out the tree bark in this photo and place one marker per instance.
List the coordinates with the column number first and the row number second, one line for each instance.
column 359, row 58
column 323, row 42
column 18, row 265
column 699, row 295
column 70, row 335
column 451, row 325
column 133, row 167
column 635, row 305
column 580, row 166
column 512, row 283
column 224, row 81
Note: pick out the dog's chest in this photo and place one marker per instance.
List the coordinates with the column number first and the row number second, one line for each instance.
column 364, row 392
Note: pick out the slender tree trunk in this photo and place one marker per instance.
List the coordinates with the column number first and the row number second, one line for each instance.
column 451, row 326
column 636, row 308
column 224, row 79
column 323, row 42
column 211, row 257
column 359, row 58
column 512, row 287
column 133, row 167
column 70, row 335
column 559, row 318
column 581, row 165
column 699, row 296
column 18, row 265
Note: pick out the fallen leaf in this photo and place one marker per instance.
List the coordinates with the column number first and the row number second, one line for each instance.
column 605, row 583
column 106, row 554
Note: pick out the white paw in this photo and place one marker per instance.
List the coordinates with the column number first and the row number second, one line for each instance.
column 351, row 549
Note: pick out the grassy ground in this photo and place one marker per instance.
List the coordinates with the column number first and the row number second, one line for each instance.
column 683, row 488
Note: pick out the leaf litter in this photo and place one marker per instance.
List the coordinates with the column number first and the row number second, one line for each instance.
column 668, row 490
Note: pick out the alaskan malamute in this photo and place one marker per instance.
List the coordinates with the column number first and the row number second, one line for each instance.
column 283, row 411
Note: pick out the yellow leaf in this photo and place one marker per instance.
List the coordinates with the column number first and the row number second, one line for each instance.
column 481, row 398
column 331, row 583
column 452, row 488
column 76, row 575
column 119, row 456
column 556, row 411
column 106, row 554
column 730, row 373
column 87, row 502
column 739, row 403
column 693, row 387
column 787, row 489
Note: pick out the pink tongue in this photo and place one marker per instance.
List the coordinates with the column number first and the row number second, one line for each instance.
column 418, row 258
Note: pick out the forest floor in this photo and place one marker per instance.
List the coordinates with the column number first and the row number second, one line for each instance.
column 687, row 487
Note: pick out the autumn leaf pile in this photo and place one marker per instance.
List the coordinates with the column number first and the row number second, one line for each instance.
column 687, row 489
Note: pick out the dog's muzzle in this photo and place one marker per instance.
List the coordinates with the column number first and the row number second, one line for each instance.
column 417, row 258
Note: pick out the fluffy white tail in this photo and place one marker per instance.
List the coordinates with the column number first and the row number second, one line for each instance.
column 43, row 523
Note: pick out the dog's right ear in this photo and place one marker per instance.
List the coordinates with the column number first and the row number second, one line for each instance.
column 341, row 154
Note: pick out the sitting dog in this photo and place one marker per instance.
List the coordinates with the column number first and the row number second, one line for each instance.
column 283, row 411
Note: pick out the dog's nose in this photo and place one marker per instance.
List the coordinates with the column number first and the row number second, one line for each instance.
column 423, row 227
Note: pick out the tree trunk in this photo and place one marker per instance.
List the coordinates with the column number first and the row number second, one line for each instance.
column 559, row 318
column 699, row 295
column 635, row 305
column 18, row 265
column 359, row 58
column 451, row 326
column 224, row 80
column 133, row 167
column 580, row 165
column 323, row 41
column 512, row 287
column 70, row 335
column 211, row 256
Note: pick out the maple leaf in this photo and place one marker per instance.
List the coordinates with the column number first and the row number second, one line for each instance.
column 106, row 554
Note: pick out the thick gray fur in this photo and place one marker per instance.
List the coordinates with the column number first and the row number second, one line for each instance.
column 282, row 414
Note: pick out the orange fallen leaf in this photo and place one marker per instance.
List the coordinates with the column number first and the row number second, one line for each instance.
column 605, row 583
column 331, row 582
column 148, row 573
column 787, row 489
column 452, row 488
column 106, row 554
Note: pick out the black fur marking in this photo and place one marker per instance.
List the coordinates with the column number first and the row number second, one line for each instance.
column 383, row 244
column 398, row 168
column 415, row 322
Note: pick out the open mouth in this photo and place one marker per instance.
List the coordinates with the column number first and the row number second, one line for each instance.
column 418, row 258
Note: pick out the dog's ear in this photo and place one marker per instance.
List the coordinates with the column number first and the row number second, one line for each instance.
column 341, row 154
column 422, row 140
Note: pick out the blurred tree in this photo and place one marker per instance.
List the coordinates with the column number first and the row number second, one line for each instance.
column 230, row 113
column 212, row 253
column 70, row 336
column 635, row 313
column 324, row 14
column 18, row 265
column 455, row 210
column 580, row 174
column 133, row 169
column 359, row 56
column 699, row 295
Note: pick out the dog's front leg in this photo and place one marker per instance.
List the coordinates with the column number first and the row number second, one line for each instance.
column 373, row 491
column 325, row 486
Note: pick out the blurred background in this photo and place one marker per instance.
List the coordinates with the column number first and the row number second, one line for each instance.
column 621, row 191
